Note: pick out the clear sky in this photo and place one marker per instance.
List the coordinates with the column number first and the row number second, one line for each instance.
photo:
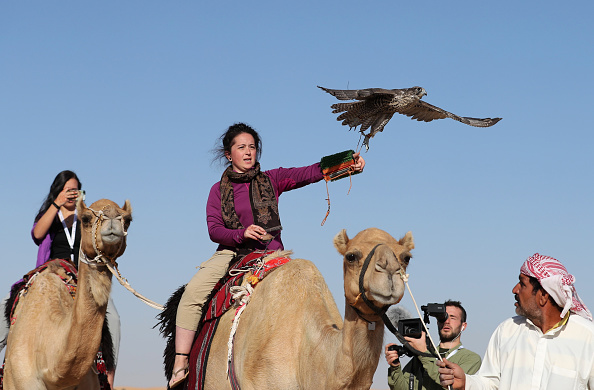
column 132, row 96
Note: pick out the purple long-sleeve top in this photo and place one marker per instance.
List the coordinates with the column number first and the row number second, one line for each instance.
column 282, row 179
column 45, row 246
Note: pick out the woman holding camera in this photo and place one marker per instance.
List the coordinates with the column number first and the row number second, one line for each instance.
column 55, row 230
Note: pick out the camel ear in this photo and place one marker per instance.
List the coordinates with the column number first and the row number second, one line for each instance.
column 340, row 241
column 407, row 241
column 127, row 207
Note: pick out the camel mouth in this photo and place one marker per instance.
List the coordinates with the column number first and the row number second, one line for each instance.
column 383, row 300
column 112, row 237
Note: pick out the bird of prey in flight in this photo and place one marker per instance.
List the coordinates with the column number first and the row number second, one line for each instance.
column 376, row 106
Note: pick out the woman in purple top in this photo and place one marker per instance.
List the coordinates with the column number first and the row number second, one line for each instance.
column 242, row 216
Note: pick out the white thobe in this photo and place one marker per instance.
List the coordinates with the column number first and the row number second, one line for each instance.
column 520, row 357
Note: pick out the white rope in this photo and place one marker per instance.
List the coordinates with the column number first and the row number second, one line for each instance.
column 241, row 295
column 405, row 280
column 257, row 266
column 100, row 259
column 128, row 287
column 23, row 291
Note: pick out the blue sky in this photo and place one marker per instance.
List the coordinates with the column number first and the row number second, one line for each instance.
column 133, row 95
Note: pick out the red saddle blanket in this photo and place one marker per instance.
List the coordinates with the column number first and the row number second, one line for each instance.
column 23, row 284
column 220, row 302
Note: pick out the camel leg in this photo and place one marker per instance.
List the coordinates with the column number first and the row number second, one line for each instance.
column 24, row 380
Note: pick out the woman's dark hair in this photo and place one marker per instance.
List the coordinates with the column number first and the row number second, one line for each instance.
column 55, row 189
column 226, row 140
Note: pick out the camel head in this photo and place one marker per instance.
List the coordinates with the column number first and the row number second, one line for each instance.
column 104, row 228
column 385, row 257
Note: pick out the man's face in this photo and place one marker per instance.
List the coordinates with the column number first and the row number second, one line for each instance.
column 526, row 298
column 451, row 328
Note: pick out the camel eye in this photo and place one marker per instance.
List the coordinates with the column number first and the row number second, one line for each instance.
column 86, row 219
column 351, row 257
column 405, row 258
column 127, row 220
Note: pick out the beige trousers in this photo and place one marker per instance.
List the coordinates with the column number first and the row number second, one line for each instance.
column 200, row 286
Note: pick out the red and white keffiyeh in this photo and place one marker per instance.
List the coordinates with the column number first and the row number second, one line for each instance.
column 556, row 281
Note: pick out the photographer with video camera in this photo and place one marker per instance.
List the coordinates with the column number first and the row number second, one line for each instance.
column 422, row 372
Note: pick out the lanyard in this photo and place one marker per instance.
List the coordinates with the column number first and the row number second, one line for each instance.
column 70, row 235
column 453, row 352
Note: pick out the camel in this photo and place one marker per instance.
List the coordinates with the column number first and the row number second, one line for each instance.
column 55, row 338
column 291, row 334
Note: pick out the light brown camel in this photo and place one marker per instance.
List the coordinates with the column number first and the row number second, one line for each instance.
column 55, row 339
column 291, row 334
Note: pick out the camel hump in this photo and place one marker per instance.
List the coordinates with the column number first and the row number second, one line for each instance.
column 297, row 278
column 299, row 270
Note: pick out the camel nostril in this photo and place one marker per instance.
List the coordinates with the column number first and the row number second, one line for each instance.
column 381, row 264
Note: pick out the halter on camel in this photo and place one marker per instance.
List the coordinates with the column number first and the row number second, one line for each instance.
column 102, row 260
column 381, row 312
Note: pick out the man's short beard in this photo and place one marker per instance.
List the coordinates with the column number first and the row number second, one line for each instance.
column 451, row 337
column 532, row 313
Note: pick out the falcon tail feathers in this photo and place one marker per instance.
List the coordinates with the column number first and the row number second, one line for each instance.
column 477, row 122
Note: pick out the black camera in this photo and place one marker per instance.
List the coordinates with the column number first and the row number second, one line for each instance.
column 401, row 350
column 437, row 310
column 411, row 328
column 414, row 328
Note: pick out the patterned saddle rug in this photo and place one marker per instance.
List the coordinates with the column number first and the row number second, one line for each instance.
column 220, row 301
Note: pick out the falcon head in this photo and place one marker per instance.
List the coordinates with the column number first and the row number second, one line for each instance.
column 419, row 91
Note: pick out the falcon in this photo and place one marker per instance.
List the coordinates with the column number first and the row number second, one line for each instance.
column 376, row 106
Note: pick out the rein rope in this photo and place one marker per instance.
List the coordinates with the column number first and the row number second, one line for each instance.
column 102, row 260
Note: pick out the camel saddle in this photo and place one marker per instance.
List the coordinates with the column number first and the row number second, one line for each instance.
column 218, row 303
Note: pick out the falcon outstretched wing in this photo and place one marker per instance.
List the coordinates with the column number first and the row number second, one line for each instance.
column 360, row 94
column 423, row 111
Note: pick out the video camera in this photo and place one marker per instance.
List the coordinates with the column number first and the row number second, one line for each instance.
column 413, row 327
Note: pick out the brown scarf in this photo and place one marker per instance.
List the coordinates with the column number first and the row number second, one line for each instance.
column 262, row 199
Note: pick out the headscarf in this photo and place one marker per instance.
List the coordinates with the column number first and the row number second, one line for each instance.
column 557, row 282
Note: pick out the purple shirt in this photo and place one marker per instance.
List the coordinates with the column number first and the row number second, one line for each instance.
column 282, row 179
column 45, row 246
